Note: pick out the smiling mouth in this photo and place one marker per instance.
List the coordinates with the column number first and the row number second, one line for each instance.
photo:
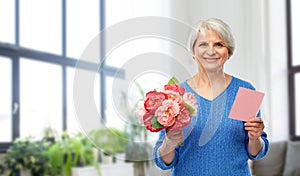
column 211, row 59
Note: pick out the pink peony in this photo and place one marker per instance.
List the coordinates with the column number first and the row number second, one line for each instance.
column 170, row 108
column 174, row 96
column 182, row 120
column 153, row 100
column 147, row 118
column 190, row 99
column 152, row 129
column 167, row 112
column 175, row 88
column 140, row 112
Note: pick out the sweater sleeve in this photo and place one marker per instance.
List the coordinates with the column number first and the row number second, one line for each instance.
column 264, row 149
column 265, row 144
column 157, row 156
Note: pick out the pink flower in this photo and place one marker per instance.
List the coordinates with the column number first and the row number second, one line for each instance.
column 147, row 118
column 174, row 96
column 182, row 120
column 152, row 129
column 167, row 112
column 153, row 100
column 191, row 100
column 140, row 112
column 175, row 88
column 169, row 108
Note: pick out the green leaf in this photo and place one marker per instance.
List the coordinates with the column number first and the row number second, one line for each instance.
column 189, row 107
column 173, row 80
column 155, row 123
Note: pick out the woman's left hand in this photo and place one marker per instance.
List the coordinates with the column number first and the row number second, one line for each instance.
column 255, row 127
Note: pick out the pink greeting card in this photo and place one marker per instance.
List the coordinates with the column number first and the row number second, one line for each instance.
column 246, row 104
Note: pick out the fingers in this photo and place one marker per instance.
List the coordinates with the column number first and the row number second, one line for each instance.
column 255, row 127
column 174, row 132
column 255, row 119
column 255, row 122
column 174, row 136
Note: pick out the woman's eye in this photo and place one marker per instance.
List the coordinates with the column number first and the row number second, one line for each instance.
column 203, row 44
column 219, row 44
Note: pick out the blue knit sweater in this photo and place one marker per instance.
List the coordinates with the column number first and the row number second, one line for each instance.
column 214, row 144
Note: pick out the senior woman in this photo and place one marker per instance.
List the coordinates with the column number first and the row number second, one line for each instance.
column 213, row 143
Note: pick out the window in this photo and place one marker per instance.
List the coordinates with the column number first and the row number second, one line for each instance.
column 73, row 123
column 40, row 25
column 40, row 44
column 294, row 67
column 121, row 100
column 6, row 99
column 40, row 97
column 7, row 16
column 81, row 27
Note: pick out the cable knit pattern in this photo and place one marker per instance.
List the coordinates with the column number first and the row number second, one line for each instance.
column 225, row 152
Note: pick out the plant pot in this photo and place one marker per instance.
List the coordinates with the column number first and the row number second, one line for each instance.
column 84, row 171
column 107, row 159
column 25, row 172
column 50, row 139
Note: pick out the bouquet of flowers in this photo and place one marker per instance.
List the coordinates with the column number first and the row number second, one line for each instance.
column 169, row 108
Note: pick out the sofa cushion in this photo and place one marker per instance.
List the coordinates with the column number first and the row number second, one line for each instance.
column 273, row 162
column 292, row 163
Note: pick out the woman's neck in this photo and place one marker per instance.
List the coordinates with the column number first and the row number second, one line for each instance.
column 210, row 85
column 209, row 79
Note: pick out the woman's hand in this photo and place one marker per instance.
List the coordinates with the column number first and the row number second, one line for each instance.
column 255, row 127
column 174, row 137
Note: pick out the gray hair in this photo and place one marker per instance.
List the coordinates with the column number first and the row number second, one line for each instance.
column 216, row 25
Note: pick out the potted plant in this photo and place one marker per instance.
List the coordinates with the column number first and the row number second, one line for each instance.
column 26, row 155
column 50, row 134
column 69, row 152
column 110, row 141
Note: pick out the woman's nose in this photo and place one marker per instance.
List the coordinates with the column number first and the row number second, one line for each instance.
column 211, row 50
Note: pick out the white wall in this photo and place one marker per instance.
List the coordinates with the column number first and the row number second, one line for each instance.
column 277, row 62
column 260, row 31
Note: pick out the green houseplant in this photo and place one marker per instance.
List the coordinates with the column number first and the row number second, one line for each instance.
column 70, row 152
column 26, row 154
column 50, row 134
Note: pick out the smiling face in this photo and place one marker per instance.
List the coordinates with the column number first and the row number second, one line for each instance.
column 210, row 51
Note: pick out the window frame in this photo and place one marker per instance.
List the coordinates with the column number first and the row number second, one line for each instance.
column 292, row 71
column 16, row 52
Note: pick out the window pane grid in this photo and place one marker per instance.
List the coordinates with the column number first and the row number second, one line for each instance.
column 39, row 29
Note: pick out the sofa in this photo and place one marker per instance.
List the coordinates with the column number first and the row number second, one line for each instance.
column 283, row 158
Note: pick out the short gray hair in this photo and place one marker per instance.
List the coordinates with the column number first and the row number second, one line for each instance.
column 216, row 25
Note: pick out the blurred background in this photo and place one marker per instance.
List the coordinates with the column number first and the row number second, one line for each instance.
column 41, row 42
